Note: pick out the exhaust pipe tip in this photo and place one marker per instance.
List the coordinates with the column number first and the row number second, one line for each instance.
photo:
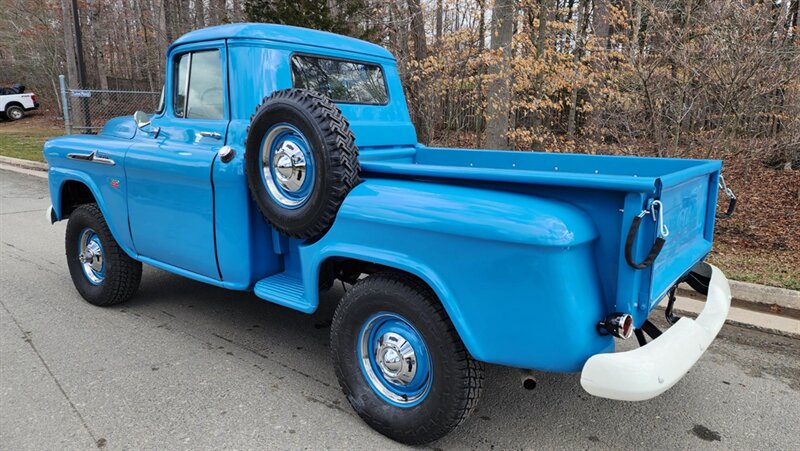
column 529, row 383
column 528, row 379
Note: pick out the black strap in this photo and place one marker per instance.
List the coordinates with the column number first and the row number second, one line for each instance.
column 731, row 208
column 654, row 251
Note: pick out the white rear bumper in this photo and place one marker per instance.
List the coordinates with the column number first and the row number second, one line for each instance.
column 648, row 371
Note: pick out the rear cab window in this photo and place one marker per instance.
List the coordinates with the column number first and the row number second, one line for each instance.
column 343, row 81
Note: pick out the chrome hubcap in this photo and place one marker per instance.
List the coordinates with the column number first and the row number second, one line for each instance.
column 287, row 165
column 15, row 114
column 290, row 166
column 395, row 359
column 90, row 254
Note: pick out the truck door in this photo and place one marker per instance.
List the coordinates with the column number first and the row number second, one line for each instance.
column 168, row 169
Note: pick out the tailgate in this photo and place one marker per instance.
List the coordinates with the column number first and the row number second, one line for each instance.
column 689, row 209
column 689, row 200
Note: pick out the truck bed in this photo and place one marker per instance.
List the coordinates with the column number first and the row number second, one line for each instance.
column 612, row 190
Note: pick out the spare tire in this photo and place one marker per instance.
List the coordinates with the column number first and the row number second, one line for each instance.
column 300, row 160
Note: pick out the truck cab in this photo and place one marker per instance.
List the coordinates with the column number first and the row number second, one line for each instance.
column 282, row 159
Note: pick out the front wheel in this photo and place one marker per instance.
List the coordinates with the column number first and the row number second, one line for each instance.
column 400, row 361
column 101, row 271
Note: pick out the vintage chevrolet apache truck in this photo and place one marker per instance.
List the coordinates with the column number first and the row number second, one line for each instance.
column 282, row 159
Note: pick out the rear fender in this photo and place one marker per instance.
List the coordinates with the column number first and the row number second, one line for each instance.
column 514, row 272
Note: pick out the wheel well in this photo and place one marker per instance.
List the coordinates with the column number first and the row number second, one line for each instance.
column 350, row 270
column 10, row 104
column 73, row 195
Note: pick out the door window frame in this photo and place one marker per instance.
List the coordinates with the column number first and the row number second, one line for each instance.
column 173, row 58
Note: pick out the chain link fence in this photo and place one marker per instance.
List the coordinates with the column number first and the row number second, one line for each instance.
column 87, row 110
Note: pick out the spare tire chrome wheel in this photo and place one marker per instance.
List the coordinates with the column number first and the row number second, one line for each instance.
column 287, row 165
column 301, row 161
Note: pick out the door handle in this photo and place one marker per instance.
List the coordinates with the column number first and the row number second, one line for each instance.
column 214, row 135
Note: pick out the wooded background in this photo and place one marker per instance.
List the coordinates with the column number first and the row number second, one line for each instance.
column 638, row 76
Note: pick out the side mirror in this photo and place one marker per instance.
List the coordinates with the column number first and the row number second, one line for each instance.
column 141, row 118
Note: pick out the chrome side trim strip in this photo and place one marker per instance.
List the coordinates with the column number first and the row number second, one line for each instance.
column 91, row 157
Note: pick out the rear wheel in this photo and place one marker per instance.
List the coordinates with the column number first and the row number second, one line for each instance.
column 400, row 361
column 14, row 112
column 101, row 271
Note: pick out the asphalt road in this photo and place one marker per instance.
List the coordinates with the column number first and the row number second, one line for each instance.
column 189, row 366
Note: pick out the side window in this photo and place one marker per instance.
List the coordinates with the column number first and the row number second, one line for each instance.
column 201, row 74
column 179, row 88
column 205, row 86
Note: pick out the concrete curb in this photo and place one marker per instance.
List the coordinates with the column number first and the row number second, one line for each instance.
column 751, row 293
column 743, row 317
column 24, row 164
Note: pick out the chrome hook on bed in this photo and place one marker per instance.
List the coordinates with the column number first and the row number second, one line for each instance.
column 663, row 230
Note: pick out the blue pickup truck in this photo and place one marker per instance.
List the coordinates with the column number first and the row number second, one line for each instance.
column 283, row 159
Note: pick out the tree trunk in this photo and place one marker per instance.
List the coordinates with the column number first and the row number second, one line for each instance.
column 199, row 14
column 479, row 120
column 418, row 30
column 540, row 39
column 420, row 53
column 580, row 44
column 499, row 101
column 601, row 22
column 438, row 20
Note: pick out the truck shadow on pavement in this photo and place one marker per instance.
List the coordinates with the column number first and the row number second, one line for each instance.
column 293, row 345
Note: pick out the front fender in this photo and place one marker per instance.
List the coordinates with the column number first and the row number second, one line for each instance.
column 114, row 214
column 105, row 181
column 514, row 272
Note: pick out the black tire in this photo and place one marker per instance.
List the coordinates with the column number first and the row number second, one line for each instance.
column 335, row 157
column 14, row 112
column 122, row 274
column 457, row 378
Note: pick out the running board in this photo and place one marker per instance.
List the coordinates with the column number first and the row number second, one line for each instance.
column 285, row 289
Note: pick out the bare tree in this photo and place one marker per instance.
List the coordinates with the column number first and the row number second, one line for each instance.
column 499, row 100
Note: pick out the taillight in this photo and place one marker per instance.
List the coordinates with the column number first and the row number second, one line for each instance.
column 33, row 98
column 619, row 325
